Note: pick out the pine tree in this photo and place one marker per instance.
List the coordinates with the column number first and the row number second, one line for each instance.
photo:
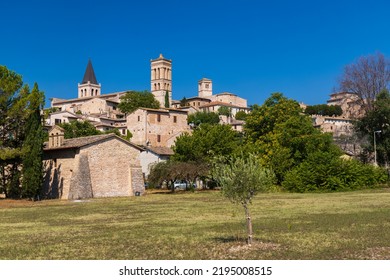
column 33, row 147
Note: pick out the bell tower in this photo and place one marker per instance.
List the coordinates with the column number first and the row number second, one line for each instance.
column 205, row 88
column 89, row 86
column 161, row 79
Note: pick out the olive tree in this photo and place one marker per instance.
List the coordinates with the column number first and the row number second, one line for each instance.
column 241, row 178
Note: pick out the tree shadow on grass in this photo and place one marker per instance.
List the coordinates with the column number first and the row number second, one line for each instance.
column 230, row 239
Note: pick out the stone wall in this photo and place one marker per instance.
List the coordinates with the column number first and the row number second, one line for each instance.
column 58, row 171
column 110, row 164
column 229, row 98
column 80, row 182
column 157, row 128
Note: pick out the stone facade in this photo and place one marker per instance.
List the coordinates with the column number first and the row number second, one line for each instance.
column 94, row 166
column 161, row 79
column 153, row 155
column 350, row 104
column 157, row 127
column 338, row 126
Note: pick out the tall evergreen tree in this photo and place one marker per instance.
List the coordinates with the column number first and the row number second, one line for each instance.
column 10, row 89
column 167, row 105
column 32, row 146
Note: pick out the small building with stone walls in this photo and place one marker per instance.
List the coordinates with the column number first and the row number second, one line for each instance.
column 89, row 167
column 157, row 127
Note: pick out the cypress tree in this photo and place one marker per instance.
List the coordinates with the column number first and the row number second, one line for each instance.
column 33, row 147
column 166, row 100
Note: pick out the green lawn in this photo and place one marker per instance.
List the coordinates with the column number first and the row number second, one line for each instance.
column 200, row 225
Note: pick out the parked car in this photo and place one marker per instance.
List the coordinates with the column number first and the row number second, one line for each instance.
column 183, row 184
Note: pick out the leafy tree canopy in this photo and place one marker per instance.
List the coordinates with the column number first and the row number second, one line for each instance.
column 224, row 111
column 132, row 100
column 283, row 136
column 323, row 172
column 276, row 109
column 76, row 129
column 241, row 115
column 170, row 171
column 20, row 136
column 206, row 142
column 241, row 178
column 377, row 120
column 203, row 117
column 324, row 110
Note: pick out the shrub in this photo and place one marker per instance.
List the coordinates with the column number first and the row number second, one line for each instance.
column 322, row 172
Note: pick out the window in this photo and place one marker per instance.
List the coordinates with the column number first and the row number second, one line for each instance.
column 158, row 138
column 57, row 121
column 158, row 118
column 139, row 118
column 174, row 119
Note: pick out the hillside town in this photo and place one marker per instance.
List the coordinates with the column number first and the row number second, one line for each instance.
column 106, row 160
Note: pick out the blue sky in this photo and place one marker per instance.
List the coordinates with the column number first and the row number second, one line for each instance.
column 247, row 47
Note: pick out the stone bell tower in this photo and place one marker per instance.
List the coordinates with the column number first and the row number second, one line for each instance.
column 161, row 79
column 89, row 86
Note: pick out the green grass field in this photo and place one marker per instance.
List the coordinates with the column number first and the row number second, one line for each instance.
column 200, row 225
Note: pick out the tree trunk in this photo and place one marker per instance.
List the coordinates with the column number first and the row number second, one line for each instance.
column 248, row 225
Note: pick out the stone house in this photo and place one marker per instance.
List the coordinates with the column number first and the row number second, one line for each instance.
column 153, row 155
column 157, row 127
column 338, row 126
column 93, row 166
column 350, row 103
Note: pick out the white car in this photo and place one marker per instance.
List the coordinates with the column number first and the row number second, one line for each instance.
column 182, row 184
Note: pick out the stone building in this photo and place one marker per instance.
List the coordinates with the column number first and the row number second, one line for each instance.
column 93, row 166
column 208, row 102
column 161, row 79
column 153, row 155
column 350, row 103
column 338, row 126
column 157, row 127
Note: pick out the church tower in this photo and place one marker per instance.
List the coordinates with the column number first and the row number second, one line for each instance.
column 205, row 88
column 161, row 79
column 89, row 86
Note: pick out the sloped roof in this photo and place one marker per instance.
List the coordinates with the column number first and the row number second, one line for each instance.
column 220, row 103
column 162, row 151
column 89, row 75
column 88, row 140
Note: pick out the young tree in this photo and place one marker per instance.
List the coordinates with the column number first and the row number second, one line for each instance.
column 133, row 100
column 366, row 78
column 241, row 178
column 33, row 146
